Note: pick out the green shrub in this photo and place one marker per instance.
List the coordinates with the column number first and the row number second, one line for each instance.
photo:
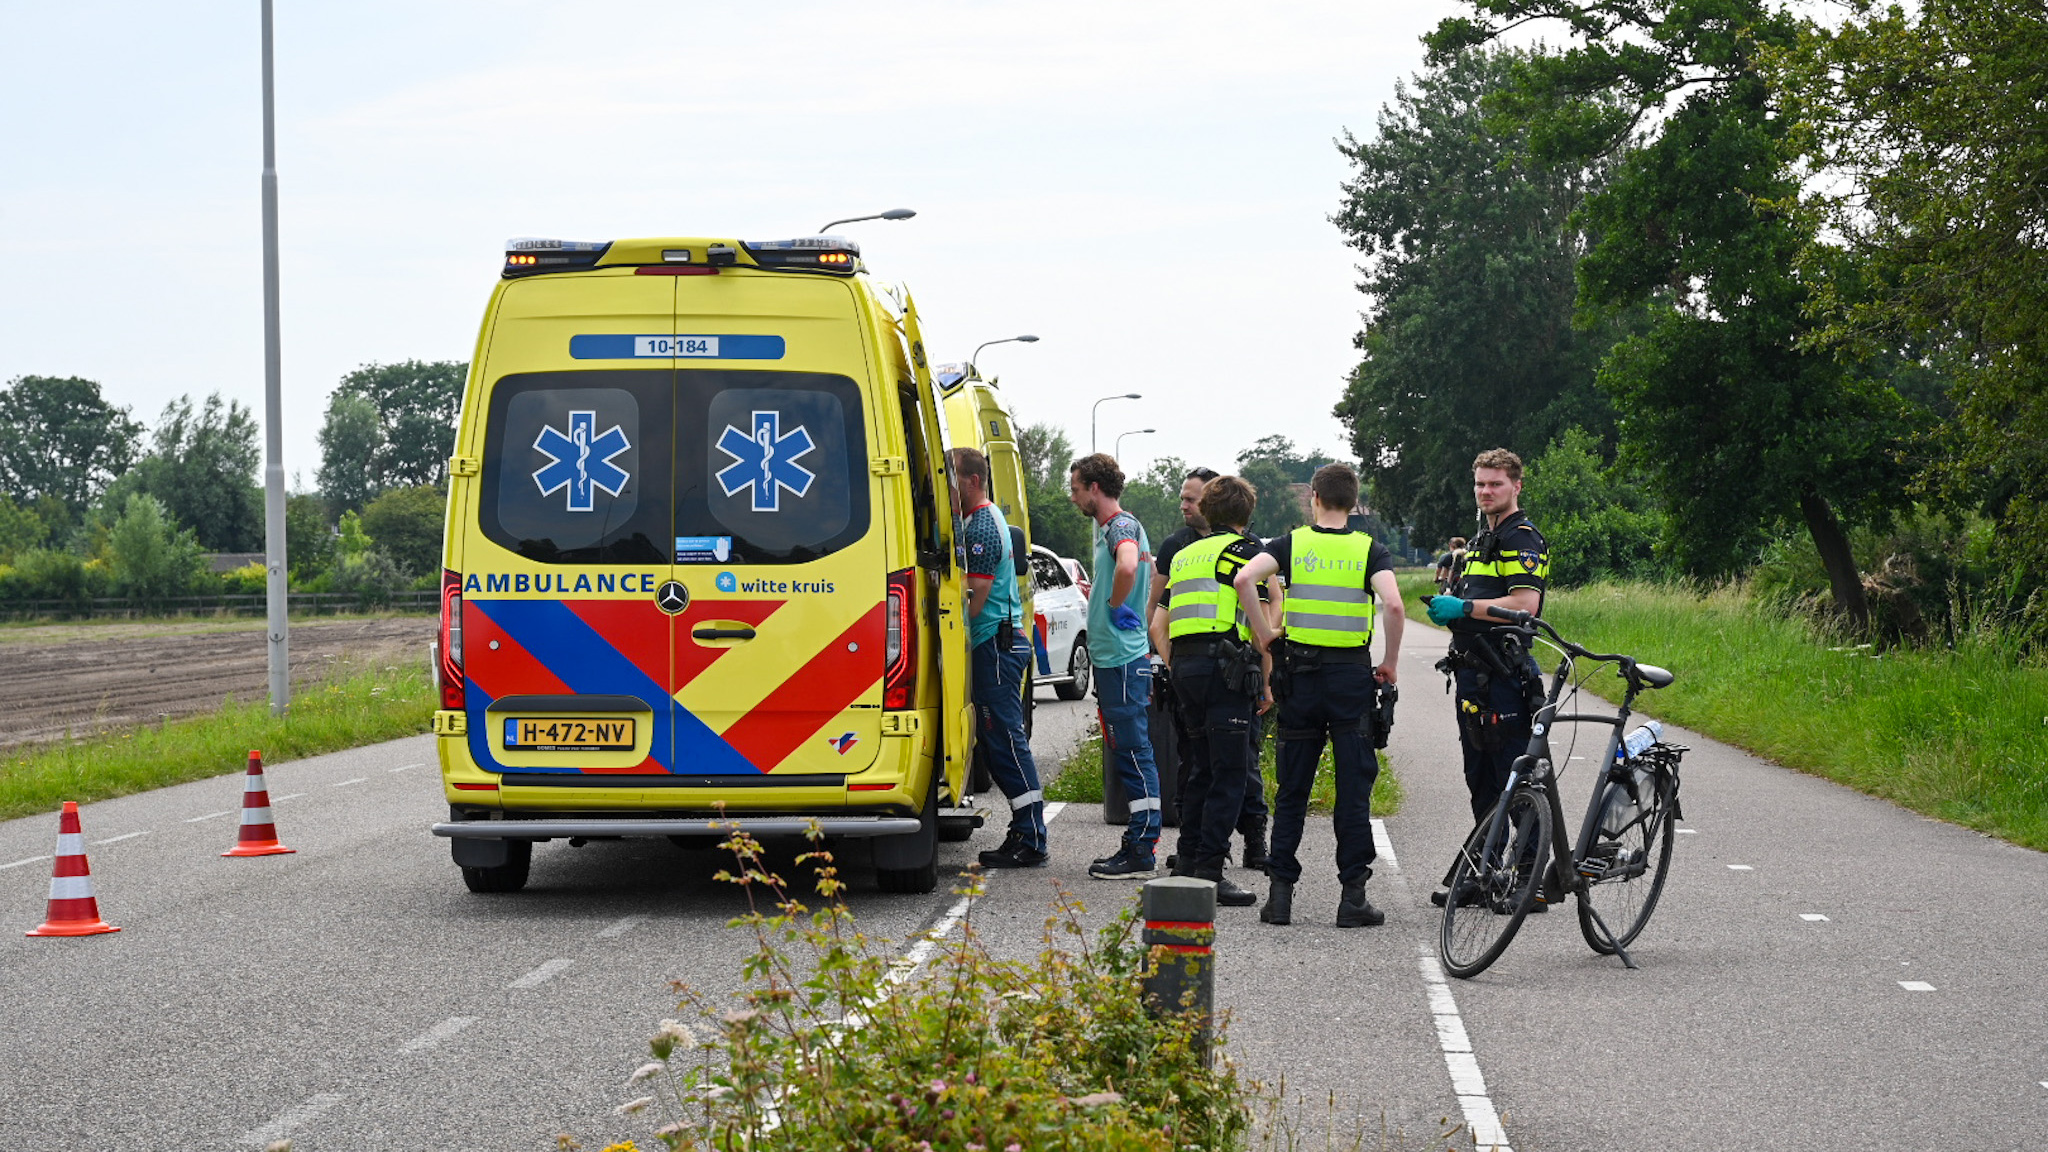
column 251, row 579
column 406, row 524
column 831, row 1049
column 151, row 559
column 48, row 574
column 370, row 576
column 1597, row 523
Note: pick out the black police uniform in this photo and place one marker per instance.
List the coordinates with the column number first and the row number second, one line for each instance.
column 1216, row 684
column 1495, row 698
column 1251, row 820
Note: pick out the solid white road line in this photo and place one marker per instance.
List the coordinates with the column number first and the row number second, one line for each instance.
column 540, row 975
column 212, row 815
column 620, row 927
column 439, row 1032
column 293, row 1118
column 1481, row 1119
column 1383, row 845
column 1812, row 917
column 901, row 968
column 346, row 783
column 1916, row 985
column 19, row 863
column 118, row 839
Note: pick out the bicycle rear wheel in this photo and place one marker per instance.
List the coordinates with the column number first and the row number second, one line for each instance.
column 1630, row 867
column 1491, row 891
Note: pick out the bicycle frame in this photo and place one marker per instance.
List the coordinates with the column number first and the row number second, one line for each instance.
column 1534, row 770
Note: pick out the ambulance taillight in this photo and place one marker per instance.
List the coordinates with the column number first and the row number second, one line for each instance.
column 899, row 661
column 451, row 640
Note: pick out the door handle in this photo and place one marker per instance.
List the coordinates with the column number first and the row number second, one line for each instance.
column 723, row 633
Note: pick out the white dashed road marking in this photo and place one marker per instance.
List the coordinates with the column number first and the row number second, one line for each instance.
column 121, row 837
column 19, row 863
column 346, row 783
column 1916, row 985
column 405, row 767
column 439, row 1032
column 282, row 799
column 294, row 1118
column 1688, row 831
column 212, row 816
column 1741, row 868
column 1481, row 1120
column 1812, row 917
column 901, row 968
column 620, row 927
column 1383, row 845
column 541, row 975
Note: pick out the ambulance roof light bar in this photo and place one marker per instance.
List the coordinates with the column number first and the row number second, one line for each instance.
column 891, row 214
column 834, row 254
column 526, row 255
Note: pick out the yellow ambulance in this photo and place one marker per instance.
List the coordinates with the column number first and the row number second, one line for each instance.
column 700, row 566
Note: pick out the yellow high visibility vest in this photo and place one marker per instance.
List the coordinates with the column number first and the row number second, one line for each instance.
column 1199, row 601
column 1329, row 604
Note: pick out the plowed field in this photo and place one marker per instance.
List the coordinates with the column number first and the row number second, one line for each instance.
column 61, row 680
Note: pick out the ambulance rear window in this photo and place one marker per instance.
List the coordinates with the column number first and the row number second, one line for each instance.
column 643, row 466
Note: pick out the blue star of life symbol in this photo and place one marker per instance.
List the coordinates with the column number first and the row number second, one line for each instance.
column 581, row 460
column 766, row 461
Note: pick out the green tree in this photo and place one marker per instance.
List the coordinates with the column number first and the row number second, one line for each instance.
column 406, row 523
column 309, row 536
column 1055, row 522
column 1469, row 341
column 1933, row 116
column 349, row 442
column 1598, row 524
column 1275, row 470
column 151, row 557
column 202, row 466
column 1154, row 497
column 416, row 404
column 1737, row 425
column 20, row 529
column 60, row 438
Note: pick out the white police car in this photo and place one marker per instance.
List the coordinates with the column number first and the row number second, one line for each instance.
column 1059, row 637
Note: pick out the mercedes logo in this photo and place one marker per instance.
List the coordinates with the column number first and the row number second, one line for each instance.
column 672, row 597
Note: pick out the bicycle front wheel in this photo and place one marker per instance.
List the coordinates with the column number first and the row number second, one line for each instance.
column 1625, row 870
column 1494, row 885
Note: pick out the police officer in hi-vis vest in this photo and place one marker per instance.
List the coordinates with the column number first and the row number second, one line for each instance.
column 1325, row 683
column 1505, row 565
column 1218, row 680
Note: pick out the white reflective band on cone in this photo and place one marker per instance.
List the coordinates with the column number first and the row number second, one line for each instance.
column 70, row 843
column 257, row 816
column 253, row 783
column 70, row 887
column 1149, row 804
column 1035, row 796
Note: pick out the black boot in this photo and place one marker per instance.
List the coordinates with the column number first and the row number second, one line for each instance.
column 1255, row 856
column 1354, row 910
column 1229, row 895
column 1279, row 907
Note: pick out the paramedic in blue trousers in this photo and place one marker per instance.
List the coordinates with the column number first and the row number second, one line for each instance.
column 1122, row 654
column 995, row 620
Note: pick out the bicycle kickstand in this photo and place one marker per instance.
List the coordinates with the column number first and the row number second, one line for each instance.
column 1626, row 960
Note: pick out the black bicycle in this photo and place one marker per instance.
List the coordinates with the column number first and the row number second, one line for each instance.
column 1519, row 853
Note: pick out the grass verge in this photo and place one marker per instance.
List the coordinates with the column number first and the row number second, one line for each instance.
column 345, row 711
column 1958, row 734
column 1080, row 778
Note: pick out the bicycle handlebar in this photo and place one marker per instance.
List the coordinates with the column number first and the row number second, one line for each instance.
column 1532, row 623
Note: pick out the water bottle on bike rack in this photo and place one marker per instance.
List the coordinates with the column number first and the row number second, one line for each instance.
column 1622, row 812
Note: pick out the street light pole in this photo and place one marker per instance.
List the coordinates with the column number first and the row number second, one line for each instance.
column 891, row 214
column 276, row 592
column 1098, row 406
column 986, row 343
column 1133, row 432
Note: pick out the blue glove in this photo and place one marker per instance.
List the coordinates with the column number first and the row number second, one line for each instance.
column 1125, row 618
column 1444, row 609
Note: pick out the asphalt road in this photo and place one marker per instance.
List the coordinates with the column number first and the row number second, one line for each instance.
column 354, row 996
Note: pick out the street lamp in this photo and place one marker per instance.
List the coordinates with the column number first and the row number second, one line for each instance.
column 1009, row 340
column 1133, row 432
column 891, row 214
column 1098, row 404
column 276, row 588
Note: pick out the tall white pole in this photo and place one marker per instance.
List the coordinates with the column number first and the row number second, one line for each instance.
column 278, row 590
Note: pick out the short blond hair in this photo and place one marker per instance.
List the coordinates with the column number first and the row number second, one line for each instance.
column 1502, row 459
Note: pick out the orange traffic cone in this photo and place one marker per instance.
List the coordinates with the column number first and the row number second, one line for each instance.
column 259, row 834
column 73, row 911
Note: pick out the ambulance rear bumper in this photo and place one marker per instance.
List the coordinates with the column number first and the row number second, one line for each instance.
column 834, row 827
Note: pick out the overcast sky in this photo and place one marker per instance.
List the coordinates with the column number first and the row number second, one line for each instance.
column 1144, row 185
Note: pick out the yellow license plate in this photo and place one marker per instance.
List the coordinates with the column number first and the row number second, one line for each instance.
column 569, row 734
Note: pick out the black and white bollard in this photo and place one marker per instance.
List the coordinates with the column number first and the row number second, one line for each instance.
column 1180, row 931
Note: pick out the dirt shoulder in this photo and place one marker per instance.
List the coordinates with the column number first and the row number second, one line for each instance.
column 63, row 680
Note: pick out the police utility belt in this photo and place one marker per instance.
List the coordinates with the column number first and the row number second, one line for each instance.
column 1237, row 663
column 1301, row 657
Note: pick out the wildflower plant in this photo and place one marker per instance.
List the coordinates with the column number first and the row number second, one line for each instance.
column 833, row 1044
